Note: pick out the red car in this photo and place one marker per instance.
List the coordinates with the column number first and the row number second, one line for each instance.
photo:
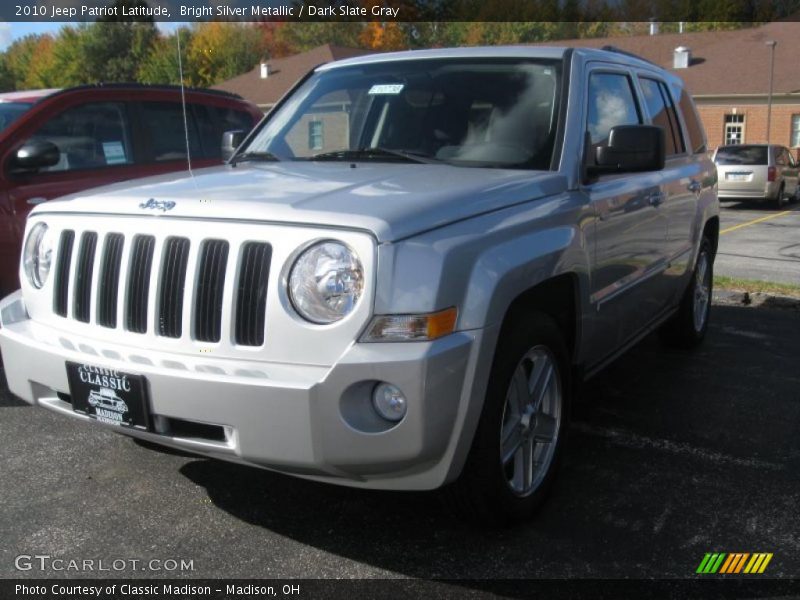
column 57, row 142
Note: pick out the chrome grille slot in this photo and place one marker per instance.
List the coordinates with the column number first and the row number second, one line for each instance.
column 172, row 285
column 210, row 287
column 251, row 293
column 108, row 292
column 141, row 262
column 83, row 277
column 61, row 283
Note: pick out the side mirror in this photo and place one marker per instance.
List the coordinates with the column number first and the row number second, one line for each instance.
column 37, row 154
column 230, row 142
column 630, row 148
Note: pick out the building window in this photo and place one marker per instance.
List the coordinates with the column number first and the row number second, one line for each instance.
column 734, row 129
column 315, row 140
column 795, row 137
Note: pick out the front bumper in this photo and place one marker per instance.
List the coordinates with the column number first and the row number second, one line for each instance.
column 306, row 420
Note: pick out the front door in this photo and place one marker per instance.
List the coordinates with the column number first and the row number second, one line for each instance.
column 627, row 278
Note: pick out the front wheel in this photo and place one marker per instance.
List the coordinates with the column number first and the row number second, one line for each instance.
column 516, row 449
column 689, row 325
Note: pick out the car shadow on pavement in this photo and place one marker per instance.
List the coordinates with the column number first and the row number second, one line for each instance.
column 664, row 444
column 7, row 399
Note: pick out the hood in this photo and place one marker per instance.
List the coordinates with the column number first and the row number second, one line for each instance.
column 392, row 201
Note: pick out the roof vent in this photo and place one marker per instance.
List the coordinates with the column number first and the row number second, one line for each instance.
column 682, row 58
column 265, row 70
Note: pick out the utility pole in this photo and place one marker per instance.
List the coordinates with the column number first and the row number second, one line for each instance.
column 771, row 44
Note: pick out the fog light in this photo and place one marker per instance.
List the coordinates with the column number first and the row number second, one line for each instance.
column 389, row 402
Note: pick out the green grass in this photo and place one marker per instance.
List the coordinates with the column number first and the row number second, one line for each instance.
column 753, row 286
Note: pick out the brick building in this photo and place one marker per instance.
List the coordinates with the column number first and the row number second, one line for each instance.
column 727, row 72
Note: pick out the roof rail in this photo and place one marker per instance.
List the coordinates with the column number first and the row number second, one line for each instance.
column 146, row 86
column 616, row 50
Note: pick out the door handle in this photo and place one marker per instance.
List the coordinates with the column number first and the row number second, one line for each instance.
column 35, row 201
column 695, row 186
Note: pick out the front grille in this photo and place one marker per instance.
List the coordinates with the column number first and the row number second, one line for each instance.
column 61, row 283
column 83, row 278
column 210, row 285
column 109, row 280
column 183, row 280
column 251, row 293
column 139, row 282
column 173, row 280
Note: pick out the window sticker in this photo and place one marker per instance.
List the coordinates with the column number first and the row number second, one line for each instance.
column 386, row 88
column 114, row 153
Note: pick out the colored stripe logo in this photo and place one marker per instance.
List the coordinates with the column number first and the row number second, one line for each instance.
column 734, row 563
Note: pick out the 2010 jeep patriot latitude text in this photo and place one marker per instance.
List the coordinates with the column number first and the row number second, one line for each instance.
column 393, row 282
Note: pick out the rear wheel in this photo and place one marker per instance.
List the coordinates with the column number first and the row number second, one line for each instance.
column 689, row 325
column 517, row 445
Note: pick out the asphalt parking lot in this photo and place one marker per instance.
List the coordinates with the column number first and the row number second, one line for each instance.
column 759, row 243
column 672, row 455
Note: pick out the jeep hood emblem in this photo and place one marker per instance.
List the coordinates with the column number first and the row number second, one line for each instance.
column 162, row 205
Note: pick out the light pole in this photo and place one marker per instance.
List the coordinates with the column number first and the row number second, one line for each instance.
column 771, row 44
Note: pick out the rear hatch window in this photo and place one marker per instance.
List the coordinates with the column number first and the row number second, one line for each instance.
column 742, row 155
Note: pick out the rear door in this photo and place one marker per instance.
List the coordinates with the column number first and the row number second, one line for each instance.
column 630, row 243
column 683, row 177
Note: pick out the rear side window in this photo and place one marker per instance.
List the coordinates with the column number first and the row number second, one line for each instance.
column 89, row 136
column 611, row 103
column 662, row 113
column 697, row 137
column 741, row 155
column 163, row 124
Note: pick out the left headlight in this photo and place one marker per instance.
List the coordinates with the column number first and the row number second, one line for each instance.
column 38, row 255
column 326, row 282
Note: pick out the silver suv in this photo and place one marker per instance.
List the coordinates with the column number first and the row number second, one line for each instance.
column 761, row 172
column 396, row 279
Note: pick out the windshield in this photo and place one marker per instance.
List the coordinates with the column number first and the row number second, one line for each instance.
column 742, row 155
column 10, row 111
column 480, row 113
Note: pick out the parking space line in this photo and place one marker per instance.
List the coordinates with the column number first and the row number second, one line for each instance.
column 754, row 221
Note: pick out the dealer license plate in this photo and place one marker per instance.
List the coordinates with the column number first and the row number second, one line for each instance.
column 108, row 395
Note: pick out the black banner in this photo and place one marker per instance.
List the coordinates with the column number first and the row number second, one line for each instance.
column 183, row 589
column 398, row 10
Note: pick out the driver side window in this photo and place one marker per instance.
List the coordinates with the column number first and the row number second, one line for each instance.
column 611, row 103
column 88, row 136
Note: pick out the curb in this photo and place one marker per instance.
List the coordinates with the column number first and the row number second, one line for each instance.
column 755, row 300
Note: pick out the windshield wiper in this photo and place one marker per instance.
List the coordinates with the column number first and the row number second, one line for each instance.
column 255, row 157
column 375, row 152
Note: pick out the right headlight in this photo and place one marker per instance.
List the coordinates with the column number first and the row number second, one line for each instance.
column 37, row 255
column 326, row 282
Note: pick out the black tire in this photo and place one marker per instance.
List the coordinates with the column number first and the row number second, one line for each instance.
column 482, row 494
column 682, row 330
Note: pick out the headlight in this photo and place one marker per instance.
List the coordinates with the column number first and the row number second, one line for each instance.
column 37, row 255
column 326, row 282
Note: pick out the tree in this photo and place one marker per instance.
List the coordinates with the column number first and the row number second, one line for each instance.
column 18, row 58
column 219, row 51
column 113, row 52
column 302, row 36
column 161, row 64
